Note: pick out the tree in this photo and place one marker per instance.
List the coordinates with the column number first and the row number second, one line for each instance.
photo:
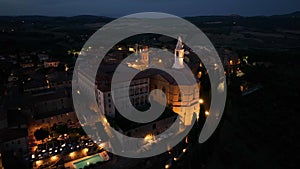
column 62, row 129
column 81, row 132
column 41, row 134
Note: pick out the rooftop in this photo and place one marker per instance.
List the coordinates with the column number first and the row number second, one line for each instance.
column 53, row 113
column 12, row 134
column 59, row 77
column 51, row 95
column 15, row 118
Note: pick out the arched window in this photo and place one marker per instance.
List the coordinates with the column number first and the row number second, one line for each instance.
column 164, row 90
column 195, row 93
column 177, row 53
column 179, row 97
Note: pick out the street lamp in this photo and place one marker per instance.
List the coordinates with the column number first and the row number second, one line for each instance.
column 53, row 158
column 206, row 113
column 148, row 138
column 38, row 163
column 201, row 101
column 72, row 154
column 84, row 151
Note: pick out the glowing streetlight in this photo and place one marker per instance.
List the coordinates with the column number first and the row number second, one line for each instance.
column 201, row 101
column 169, row 149
column 206, row 113
column 216, row 66
column 148, row 137
column 84, row 151
column 66, row 67
column 72, row 155
column 131, row 49
column 53, row 158
column 38, row 163
column 199, row 74
column 105, row 120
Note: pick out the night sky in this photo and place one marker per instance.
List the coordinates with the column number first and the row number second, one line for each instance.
column 116, row 8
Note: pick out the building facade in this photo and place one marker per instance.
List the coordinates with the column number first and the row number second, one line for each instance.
column 14, row 141
column 138, row 93
column 184, row 103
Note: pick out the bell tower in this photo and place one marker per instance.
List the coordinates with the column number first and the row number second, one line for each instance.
column 145, row 55
column 178, row 55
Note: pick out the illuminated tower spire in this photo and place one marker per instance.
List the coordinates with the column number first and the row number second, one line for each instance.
column 178, row 55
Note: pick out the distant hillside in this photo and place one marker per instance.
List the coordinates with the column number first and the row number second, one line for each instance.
column 286, row 21
column 269, row 23
column 60, row 34
column 81, row 19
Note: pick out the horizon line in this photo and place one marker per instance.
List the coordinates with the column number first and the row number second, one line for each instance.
column 107, row 16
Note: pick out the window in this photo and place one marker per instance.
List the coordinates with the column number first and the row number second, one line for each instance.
column 164, row 91
column 195, row 93
column 142, row 100
column 136, row 101
column 131, row 92
column 179, row 97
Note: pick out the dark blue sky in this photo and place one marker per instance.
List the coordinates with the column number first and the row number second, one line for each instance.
column 117, row 8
